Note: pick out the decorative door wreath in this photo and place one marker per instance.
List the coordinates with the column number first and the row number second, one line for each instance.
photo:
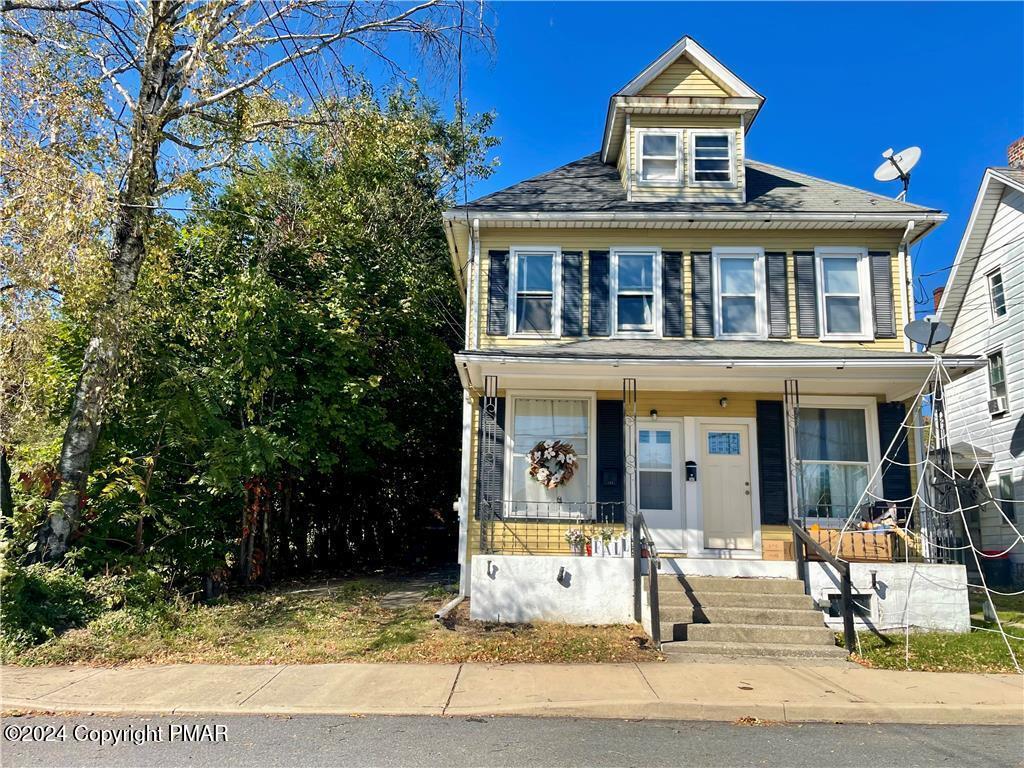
column 552, row 463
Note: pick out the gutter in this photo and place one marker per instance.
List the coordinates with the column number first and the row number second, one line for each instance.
column 957, row 361
column 448, row 607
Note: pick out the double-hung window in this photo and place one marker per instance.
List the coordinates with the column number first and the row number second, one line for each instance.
column 535, row 301
column 834, row 459
column 996, row 294
column 996, row 383
column 844, row 301
column 535, row 420
column 740, row 304
column 658, row 157
column 1007, row 499
column 636, row 287
column 711, row 163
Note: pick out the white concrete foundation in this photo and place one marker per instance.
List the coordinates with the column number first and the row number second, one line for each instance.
column 760, row 569
column 574, row 590
column 925, row 596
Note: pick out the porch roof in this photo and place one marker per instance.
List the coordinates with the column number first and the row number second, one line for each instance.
column 710, row 365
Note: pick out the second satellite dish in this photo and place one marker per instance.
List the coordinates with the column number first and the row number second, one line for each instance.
column 898, row 166
column 927, row 332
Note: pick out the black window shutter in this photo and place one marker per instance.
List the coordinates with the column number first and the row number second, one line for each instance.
column 497, row 293
column 672, row 293
column 895, row 473
column 882, row 294
column 572, row 293
column 489, row 485
column 771, row 462
column 611, row 458
column 600, row 317
column 703, row 307
column 806, row 295
column 778, row 295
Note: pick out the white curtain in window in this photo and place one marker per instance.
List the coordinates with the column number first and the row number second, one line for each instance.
column 833, row 450
column 536, row 420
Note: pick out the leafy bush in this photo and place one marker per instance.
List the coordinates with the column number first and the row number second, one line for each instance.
column 39, row 602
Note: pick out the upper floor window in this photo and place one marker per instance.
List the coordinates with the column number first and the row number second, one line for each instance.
column 636, row 291
column 996, row 383
column 740, row 298
column 535, row 302
column 659, row 159
column 997, row 296
column 712, row 155
column 844, row 303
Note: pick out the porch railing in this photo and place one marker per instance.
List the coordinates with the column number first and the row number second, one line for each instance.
column 521, row 527
column 644, row 549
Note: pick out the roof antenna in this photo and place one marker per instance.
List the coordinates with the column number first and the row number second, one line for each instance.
column 898, row 166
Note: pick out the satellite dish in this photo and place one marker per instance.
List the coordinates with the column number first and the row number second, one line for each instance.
column 928, row 332
column 898, row 166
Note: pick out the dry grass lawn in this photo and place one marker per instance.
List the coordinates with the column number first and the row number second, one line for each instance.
column 329, row 623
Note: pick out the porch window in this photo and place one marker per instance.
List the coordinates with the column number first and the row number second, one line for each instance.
column 659, row 157
column 635, row 286
column 712, row 159
column 740, row 304
column 997, row 296
column 535, row 420
column 535, row 303
column 843, row 287
column 834, row 464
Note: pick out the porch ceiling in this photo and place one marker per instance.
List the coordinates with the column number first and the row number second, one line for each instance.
column 687, row 365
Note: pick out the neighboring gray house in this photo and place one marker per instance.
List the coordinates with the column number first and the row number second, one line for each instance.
column 983, row 302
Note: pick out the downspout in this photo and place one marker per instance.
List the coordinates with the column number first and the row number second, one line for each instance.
column 475, row 250
column 462, row 505
column 907, row 280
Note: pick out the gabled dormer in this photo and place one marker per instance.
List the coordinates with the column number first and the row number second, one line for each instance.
column 677, row 130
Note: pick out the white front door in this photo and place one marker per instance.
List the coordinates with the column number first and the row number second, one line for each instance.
column 726, row 500
column 658, row 463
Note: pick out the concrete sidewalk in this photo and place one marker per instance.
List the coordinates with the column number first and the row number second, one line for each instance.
column 641, row 691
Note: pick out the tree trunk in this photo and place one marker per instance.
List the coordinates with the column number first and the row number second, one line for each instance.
column 127, row 250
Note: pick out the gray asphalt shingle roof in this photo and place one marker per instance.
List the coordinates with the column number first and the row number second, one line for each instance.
column 588, row 185
column 693, row 349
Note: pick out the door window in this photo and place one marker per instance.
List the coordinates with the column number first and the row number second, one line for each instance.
column 655, row 466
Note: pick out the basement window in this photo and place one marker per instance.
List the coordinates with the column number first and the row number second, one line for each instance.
column 861, row 605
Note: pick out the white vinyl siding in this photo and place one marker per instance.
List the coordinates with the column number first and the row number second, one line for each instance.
column 975, row 333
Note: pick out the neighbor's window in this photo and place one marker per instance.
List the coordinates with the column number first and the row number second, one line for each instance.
column 636, row 299
column 842, row 286
column 534, row 302
column 533, row 421
column 740, row 305
column 712, row 158
column 996, row 294
column 996, row 375
column 834, row 464
column 1007, row 499
column 659, row 157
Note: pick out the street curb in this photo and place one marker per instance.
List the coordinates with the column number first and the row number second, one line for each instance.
column 854, row 712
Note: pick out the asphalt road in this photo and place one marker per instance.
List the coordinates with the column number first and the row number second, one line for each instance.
column 268, row 742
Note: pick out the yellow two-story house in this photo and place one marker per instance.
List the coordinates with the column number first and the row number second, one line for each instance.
column 669, row 331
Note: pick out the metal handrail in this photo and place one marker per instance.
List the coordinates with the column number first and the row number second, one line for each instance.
column 644, row 542
column 802, row 541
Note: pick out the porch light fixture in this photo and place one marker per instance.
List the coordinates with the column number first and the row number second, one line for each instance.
column 654, row 414
column 724, row 402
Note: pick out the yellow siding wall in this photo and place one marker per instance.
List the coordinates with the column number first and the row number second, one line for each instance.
column 683, row 78
column 688, row 241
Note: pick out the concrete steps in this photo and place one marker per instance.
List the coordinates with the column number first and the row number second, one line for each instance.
column 699, row 651
column 742, row 618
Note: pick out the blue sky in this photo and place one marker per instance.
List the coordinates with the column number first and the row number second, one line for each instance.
column 842, row 83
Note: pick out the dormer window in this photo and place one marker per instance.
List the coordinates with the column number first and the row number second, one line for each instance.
column 712, row 153
column 659, row 161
